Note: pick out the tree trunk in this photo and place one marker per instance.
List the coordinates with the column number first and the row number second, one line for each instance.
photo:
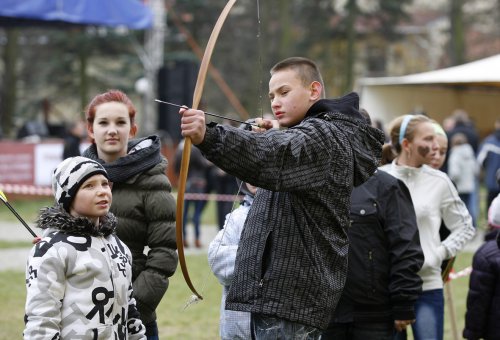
column 457, row 38
column 83, row 55
column 9, row 89
column 351, row 44
column 286, row 29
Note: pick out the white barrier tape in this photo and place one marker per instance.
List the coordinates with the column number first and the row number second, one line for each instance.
column 25, row 189
column 47, row 191
column 212, row 197
column 462, row 273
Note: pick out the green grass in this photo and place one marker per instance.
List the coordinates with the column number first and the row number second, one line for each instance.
column 459, row 288
column 26, row 208
column 15, row 244
column 197, row 321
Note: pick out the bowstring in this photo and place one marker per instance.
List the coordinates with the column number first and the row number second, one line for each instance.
column 262, row 116
column 259, row 44
column 194, row 299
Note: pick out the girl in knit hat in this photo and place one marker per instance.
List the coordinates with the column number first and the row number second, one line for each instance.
column 79, row 275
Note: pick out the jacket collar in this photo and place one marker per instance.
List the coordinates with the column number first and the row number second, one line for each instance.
column 57, row 218
column 347, row 105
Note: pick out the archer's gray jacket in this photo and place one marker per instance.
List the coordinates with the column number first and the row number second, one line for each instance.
column 292, row 259
column 145, row 209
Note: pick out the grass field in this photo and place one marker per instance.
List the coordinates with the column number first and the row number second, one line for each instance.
column 197, row 321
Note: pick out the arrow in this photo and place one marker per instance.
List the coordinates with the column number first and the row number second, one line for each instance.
column 207, row 113
column 4, row 200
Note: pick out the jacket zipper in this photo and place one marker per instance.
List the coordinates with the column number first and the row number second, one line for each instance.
column 372, row 270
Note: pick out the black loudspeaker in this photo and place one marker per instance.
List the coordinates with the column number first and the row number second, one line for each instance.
column 176, row 82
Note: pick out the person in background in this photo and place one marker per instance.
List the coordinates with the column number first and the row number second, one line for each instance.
column 439, row 158
column 222, row 255
column 291, row 263
column 463, row 169
column 384, row 259
column 380, row 125
column 79, row 275
column 437, row 161
column 75, row 135
column 222, row 183
column 221, row 258
column 463, row 124
column 143, row 202
column 483, row 298
column 196, row 184
column 435, row 200
column 489, row 160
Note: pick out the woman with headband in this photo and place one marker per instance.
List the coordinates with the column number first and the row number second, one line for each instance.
column 413, row 139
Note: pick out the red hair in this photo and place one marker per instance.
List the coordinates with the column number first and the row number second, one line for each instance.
column 107, row 97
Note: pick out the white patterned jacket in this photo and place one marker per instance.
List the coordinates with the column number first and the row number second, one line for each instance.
column 78, row 281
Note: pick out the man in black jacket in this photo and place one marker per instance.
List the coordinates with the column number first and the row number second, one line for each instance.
column 384, row 258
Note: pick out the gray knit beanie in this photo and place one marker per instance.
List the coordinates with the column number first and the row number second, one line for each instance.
column 70, row 174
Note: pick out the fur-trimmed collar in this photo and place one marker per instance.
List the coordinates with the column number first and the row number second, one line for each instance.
column 57, row 218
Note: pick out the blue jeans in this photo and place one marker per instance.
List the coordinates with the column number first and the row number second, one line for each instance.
column 152, row 331
column 198, row 209
column 429, row 309
column 265, row 327
column 359, row 331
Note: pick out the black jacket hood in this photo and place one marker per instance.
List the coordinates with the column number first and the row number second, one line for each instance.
column 347, row 105
column 366, row 141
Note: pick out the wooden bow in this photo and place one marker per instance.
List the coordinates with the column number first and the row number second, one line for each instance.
column 186, row 152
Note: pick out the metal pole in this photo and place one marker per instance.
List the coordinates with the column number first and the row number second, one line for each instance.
column 154, row 49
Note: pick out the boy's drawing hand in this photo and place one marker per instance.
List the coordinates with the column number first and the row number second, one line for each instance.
column 193, row 124
column 265, row 124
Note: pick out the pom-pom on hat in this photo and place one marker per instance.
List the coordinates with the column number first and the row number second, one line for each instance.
column 70, row 174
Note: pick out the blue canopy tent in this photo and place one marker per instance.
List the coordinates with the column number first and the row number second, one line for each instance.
column 129, row 13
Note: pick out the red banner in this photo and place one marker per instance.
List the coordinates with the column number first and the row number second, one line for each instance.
column 17, row 163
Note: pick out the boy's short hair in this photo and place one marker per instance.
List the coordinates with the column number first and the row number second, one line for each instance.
column 306, row 69
column 70, row 175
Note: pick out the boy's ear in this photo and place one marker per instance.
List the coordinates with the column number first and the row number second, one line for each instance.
column 316, row 90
